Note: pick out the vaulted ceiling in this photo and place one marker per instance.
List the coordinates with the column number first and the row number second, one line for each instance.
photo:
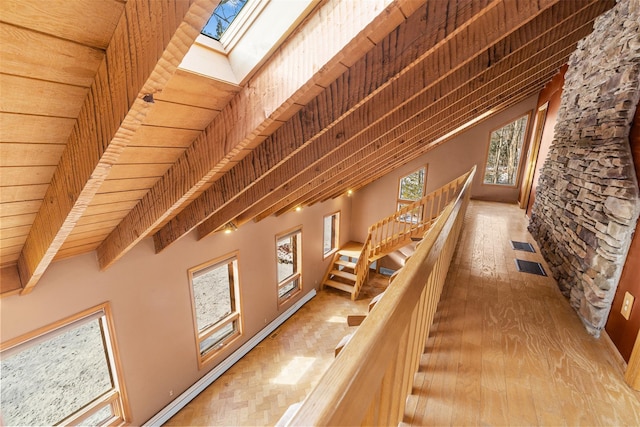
column 105, row 139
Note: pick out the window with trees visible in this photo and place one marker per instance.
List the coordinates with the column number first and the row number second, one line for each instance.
column 222, row 17
column 216, row 305
column 331, row 223
column 410, row 189
column 289, row 264
column 64, row 374
column 505, row 149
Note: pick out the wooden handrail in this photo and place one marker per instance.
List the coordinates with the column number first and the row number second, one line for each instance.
column 369, row 381
column 361, row 269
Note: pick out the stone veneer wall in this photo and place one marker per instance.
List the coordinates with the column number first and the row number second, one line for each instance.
column 587, row 202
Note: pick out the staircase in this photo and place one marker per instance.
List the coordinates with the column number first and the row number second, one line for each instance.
column 342, row 271
column 349, row 267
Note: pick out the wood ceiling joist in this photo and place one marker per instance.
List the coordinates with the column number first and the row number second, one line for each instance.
column 378, row 170
column 404, row 155
column 147, row 45
column 376, row 110
column 413, row 142
column 362, row 168
column 319, row 182
column 271, row 94
column 393, row 62
column 535, row 77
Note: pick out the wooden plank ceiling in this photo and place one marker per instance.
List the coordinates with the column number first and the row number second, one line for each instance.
column 104, row 140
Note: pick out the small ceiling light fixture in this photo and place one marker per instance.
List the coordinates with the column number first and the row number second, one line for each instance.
column 349, row 192
column 298, row 208
column 229, row 227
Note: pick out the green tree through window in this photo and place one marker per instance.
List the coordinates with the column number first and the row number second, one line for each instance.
column 222, row 17
column 410, row 189
column 505, row 147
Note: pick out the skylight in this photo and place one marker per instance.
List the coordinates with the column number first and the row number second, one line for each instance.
column 222, row 17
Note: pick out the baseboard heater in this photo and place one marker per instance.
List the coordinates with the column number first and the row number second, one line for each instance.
column 181, row 401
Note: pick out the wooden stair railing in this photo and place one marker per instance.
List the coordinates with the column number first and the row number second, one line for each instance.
column 345, row 270
column 397, row 230
column 390, row 234
column 369, row 381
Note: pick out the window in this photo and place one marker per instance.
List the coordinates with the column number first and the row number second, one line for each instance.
column 330, row 240
column 503, row 159
column 66, row 373
column 216, row 305
column 410, row 189
column 289, row 263
column 223, row 15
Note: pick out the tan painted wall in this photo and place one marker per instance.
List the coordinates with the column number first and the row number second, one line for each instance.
column 445, row 162
column 151, row 304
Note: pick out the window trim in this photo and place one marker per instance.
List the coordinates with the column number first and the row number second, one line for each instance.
column 336, row 235
column 525, row 144
column 400, row 201
column 399, row 188
column 235, row 316
column 117, row 396
column 297, row 275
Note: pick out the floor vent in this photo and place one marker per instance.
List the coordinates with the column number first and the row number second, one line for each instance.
column 522, row 246
column 530, row 267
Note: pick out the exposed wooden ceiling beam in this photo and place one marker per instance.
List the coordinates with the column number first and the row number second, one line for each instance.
column 430, row 50
column 367, row 77
column 396, row 133
column 147, row 46
column 324, row 152
column 533, row 75
column 377, row 160
column 269, row 98
column 384, row 142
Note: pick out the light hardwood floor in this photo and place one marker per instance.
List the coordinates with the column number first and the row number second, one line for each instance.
column 505, row 349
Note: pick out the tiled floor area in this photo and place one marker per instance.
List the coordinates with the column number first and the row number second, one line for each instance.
column 505, row 349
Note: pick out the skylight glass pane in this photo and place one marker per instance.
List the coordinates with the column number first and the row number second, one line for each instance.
column 222, row 17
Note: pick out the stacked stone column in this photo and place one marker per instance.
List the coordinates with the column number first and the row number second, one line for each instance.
column 587, row 199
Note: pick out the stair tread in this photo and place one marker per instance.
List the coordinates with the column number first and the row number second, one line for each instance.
column 344, row 274
column 339, row 285
column 345, row 263
column 351, row 249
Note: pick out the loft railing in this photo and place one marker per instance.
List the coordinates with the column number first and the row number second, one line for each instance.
column 369, row 381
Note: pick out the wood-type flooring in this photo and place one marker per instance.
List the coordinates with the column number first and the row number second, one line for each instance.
column 506, row 349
